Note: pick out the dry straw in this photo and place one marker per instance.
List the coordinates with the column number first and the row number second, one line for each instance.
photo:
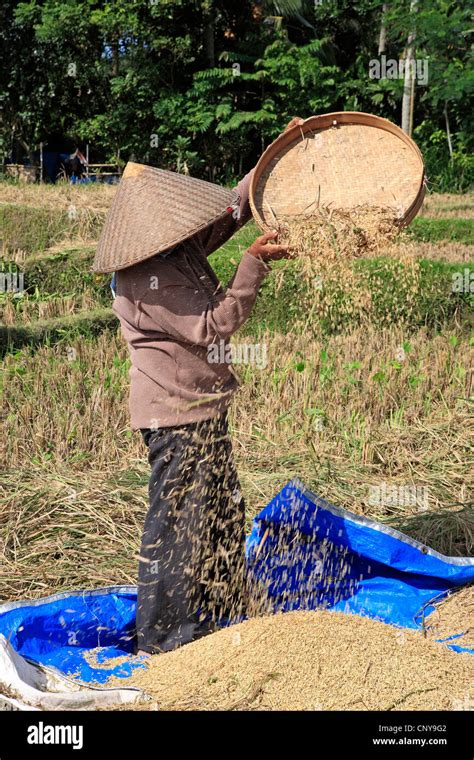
column 335, row 233
column 59, row 197
column 454, row 616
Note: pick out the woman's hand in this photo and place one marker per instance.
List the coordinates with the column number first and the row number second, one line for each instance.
column 261, row 248
column 296, row 121
column 265, row 251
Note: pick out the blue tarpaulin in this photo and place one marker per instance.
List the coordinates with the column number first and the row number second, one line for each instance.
column 300, row 541
column 296, row 550
column 61, row 629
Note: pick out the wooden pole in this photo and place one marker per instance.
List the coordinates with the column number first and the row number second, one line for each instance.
column 41, row 163
column 448, row 130
column 383, row 31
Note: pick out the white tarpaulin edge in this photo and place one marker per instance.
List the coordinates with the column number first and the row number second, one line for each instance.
column 27, row 686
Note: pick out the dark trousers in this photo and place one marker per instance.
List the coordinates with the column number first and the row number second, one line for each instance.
column 191, row 564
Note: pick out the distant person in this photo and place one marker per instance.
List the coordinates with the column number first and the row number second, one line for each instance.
column 75, row 165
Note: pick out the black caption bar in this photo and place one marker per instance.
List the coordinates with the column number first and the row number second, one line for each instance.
column 125, row 734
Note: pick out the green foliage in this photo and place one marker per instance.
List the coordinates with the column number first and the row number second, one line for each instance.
column 445, row 173
column 430, row 230
column 204, row 85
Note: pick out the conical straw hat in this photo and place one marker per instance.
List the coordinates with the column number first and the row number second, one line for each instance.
column 154, row 210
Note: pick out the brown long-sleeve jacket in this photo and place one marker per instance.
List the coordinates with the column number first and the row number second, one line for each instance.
column 171, row 309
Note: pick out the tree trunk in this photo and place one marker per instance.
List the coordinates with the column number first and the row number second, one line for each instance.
column 412, row 105
column 115, row 57
column 408, row 86
column 208, row 34
column 27, row 148
column 383, row 31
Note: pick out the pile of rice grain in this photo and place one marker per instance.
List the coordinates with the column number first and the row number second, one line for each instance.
column 307, row 661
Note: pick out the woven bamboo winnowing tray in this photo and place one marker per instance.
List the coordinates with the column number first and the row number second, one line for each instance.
column 338, row 160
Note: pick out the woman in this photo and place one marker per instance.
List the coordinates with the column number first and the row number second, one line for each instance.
column 172, row 309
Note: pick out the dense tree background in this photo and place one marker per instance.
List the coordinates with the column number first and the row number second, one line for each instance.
column 204, row 85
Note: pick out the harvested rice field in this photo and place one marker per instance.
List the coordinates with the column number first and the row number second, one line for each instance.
column 307, row 661
column 366, row 386
column 62, row 195
column 368, row 379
